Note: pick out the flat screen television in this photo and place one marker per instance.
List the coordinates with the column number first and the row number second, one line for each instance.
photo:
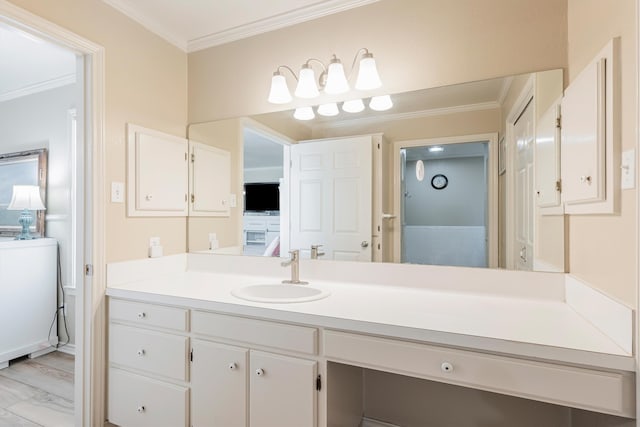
column 261, row 197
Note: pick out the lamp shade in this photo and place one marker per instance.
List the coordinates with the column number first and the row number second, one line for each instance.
column 368, row 77
column 380, row 103
column 353, row 106
column 26, row 197
column 307, row 86
column 304, row 113
column 328, row 110
column 336, row 79
column 279, row 93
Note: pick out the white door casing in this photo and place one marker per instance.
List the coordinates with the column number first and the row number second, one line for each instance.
column 331, row 197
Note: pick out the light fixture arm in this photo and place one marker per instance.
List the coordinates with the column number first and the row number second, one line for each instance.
column 362, row 50
column 322, row 77
column 286, row 67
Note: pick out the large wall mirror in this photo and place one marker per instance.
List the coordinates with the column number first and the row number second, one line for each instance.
column 21, row 168
column 450, row 175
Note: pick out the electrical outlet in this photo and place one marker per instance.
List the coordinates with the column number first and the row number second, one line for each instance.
column 117, row 192
column 154, row 241
column 628, row 170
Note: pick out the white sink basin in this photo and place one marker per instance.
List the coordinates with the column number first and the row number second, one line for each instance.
column 279, row 293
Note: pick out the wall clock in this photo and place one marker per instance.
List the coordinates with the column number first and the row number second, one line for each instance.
column 439, row 181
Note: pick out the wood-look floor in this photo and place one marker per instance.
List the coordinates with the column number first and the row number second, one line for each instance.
column 37, row 392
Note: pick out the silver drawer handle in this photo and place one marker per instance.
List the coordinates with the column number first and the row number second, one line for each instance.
column 446, row 367
column 141, row 352
column 142, row 315
column 259, row 372
column 140, row 409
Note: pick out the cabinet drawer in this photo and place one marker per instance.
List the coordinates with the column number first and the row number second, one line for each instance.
column 148, row 314
column 255, row 224
column 259, row 332
column 149, row 351
column 609, row 392
column 136, row 401
column 273, row 224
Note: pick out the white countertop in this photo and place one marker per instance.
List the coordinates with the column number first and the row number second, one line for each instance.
column 537, row 328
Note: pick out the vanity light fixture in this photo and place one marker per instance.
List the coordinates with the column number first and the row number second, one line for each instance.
column 328, row 110
column 332, row 79
column 380, row 103
column 353, row 106
column 304, row 113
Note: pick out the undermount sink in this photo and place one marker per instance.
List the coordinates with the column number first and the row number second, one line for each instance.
column 280, row 293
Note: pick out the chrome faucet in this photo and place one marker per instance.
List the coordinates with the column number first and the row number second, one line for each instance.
column 315, row 251
column 294, row 262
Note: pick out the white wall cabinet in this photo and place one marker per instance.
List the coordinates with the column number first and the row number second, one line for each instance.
column 209, row 180
column 157, row 173
column 590, row 136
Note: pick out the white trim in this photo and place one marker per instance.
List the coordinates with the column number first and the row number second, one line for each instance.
column 492, row 190
column 39, row 87
column 370, row 422
column 69, row 290
column 504, row 90
column 67, row 349
column 432, row 112
column 90, row 324
column 636, row 334
column 613, row 318
column 56, row 217
column 260, row 26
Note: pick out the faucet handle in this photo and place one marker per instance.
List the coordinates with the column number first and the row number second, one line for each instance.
column 315, row 252
column 295, row 254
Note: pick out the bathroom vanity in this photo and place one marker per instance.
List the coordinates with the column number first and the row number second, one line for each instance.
column 178, row 337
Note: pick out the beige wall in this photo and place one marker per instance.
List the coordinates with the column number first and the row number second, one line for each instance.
column 226, row 135
column 145, row 84
column 603, row 248
column 417, row 44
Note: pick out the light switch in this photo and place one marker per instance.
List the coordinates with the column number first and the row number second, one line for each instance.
column 628, row 170
column 233, row 201
column 117, row 192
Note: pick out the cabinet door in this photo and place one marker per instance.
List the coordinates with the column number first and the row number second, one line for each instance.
column 210, row 180
column 218, row 385
column 283, row 392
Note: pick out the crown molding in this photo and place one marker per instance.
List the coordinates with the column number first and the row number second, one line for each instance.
column 150, row 24
column 274, row 23
column 410, row 115
column 56, row 82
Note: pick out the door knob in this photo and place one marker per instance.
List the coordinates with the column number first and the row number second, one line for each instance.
column 364, row 244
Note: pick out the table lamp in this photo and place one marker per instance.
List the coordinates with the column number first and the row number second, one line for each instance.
column 26, row 198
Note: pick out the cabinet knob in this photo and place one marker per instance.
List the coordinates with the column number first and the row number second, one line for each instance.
column 148, row 197
column 232, row 366
column 446, row 367
column 585, row 179
column 140, row 409
column 259, row 372
column 142, row 315
column 141, row 352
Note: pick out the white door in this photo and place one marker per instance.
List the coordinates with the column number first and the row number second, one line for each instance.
column 524, row 199
column 283, row 392
column 218, row 385
column 331, row 184
column 209, row 180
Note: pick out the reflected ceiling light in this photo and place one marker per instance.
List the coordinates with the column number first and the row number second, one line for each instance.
column 380, row 103
column 328, row 110
column 420, row 170
column 332, row 78
column 353, row 106
column 304, row 113
column 436, row 149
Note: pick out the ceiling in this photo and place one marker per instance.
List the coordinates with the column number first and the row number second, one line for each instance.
column 469, row 149
column 29, row 64
column 260, row 152
column 198, row 24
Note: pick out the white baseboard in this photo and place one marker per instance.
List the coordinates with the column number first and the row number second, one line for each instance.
column 69, row 349
column 370, row 422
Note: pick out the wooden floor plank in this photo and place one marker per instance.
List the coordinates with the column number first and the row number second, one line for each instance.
column 51, row 380
column 59, row 360
column 8, row 419
column 54, row 412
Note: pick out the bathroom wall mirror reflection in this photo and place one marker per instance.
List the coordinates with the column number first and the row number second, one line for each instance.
column 350, row 183
column 21, row 168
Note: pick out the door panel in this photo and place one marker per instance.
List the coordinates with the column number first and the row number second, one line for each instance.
column 525, row 145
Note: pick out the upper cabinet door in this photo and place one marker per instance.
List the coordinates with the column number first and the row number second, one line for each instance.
column 590, row 137
column 210, row 180
column 157, row 181
column 547, row 158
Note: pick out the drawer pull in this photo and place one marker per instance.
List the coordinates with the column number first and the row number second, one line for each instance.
column 446, row 367
column 142, row 315
column 140, row 409
column 141, row 352
column 232, row 366
column 259, row 372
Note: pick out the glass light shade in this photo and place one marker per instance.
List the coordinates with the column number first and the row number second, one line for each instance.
column 368, row 77
column 279, row 93
column 307, row 86
column 353, row 106
column 380, row 103
column 26, row 197
column 304, row 113
column 328, row 110
column 336, row 79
